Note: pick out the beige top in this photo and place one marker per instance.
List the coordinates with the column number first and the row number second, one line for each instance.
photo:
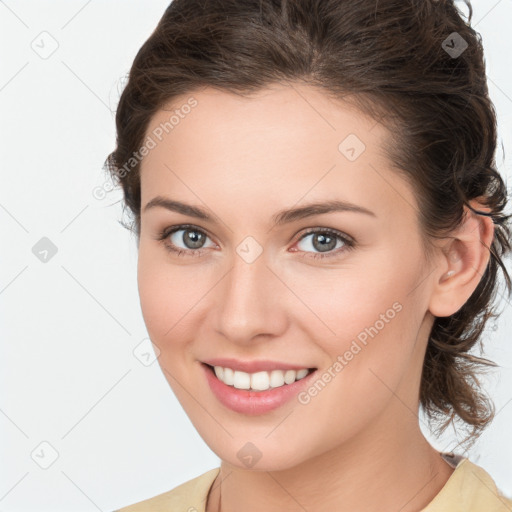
column 469, row 489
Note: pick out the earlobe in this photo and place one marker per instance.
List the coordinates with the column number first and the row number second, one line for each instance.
column 462, row 262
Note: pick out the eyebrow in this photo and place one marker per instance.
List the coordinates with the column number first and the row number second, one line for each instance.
column 282, row 217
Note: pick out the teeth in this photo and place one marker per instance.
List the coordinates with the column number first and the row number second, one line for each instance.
column 276, row 378
column 242, row 380
column 259, row 381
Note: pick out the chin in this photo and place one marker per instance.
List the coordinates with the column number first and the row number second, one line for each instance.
column 242, row 453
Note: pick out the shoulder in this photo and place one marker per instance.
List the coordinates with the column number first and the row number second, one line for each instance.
column 470, row 489
column 189, row 496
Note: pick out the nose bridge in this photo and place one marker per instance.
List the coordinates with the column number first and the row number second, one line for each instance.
column 249, row 304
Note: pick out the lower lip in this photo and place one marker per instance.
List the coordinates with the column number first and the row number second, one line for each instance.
column 253, row 402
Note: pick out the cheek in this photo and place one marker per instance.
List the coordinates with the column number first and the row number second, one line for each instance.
column 369, row 359
column 173, row 300
column 164, row 304
column 162, row 294
column 364, row 319
column 153, row 286
column 342, row 303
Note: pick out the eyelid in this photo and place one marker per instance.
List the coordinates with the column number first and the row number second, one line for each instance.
column 344, row 236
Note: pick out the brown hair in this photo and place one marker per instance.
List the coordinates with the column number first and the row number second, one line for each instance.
column 396, row 61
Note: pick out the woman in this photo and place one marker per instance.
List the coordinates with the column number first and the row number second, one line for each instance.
column 320, row 225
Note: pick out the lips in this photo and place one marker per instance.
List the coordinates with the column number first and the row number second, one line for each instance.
column 250, row 402
column 254, row 366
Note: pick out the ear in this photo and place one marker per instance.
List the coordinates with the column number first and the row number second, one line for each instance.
column 462, row 262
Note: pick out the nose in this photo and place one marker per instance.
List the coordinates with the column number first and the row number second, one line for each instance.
column 252, row 302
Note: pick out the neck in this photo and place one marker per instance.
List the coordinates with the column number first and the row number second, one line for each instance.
column 398, row 472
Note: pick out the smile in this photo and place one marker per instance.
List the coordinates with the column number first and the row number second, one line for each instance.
column 255, row 393
column 259, row 381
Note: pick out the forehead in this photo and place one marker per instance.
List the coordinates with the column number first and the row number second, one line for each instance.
column 281, row 145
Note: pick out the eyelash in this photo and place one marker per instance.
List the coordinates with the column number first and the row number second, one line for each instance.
column 165, row 233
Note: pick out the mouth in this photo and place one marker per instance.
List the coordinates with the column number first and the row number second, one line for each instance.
column 258, row 381
column 263, row 397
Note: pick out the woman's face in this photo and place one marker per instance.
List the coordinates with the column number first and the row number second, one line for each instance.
column 351, row 302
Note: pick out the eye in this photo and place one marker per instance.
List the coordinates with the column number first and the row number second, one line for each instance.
column 189, row 240
column 190, row 237
column 325, row 240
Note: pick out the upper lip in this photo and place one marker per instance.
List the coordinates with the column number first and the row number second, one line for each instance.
column 253, row 366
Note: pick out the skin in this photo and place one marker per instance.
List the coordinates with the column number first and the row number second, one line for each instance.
column 357, row 445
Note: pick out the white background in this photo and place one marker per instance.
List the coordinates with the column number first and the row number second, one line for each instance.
column 69, row 326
